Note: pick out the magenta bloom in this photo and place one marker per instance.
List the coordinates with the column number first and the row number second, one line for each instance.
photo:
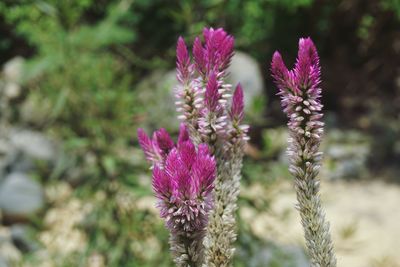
column 213, row 113
column 215, row 54
column 300, row 97
column 183, row 178
column 183, row 174
column 157, row 148
column 184, row 187
column 299, row 90
column 237, row 108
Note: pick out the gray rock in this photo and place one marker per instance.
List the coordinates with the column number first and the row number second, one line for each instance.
column 7, row 155
column 245, row 69
column 20, row 196
column 34, row 145
column 21, row 238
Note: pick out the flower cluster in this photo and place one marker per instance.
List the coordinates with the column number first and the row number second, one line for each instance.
column 300, row 97
column 202, row 95
column 213, row 113
column 210, row 146
column 183, row 179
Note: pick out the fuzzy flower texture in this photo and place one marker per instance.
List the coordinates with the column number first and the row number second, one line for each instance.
column 213, row 113
column 183, row 179
column 197, row 180
column 300, row 97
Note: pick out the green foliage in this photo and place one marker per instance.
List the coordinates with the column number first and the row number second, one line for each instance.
column 393, row 5
column 83, row 86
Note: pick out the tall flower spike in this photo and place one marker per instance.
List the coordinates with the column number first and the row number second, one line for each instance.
column 187, row 94
column 212, row 95
column 150, row 147
column 183, row 185
column 182, row 62
column 164, row 141
column 203, row 104
column 300, row 98
column 183, row 134
column 198, row 55
column 237, row 108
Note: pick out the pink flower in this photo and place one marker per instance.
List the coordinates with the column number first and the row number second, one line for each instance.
column 300, row 98
column 299, row 90
column 183, row 179
column 237, row 107
column 183, row 65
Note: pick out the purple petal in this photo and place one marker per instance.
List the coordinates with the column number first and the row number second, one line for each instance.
column 211, row 95
column 182, row 61
column 164, row 141
column 198, row 56
column 307, row 68
column 203, row 171
column 187, row 154
column 146, row 144
column 237, row 107
column 183, row 134
column 161, row 183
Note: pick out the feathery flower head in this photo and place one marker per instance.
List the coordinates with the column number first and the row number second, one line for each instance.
column 183, row 134
column 211, row 96
column 183, row 66
column 150, row 147
column 203, row 100
column 182, row 179
column 237, row 107
column 300, row 99
column 307, row 70
column 184, row 187
column 284, row 78
column 163, row 140
column 299, row 90
column 216, row 53
column 158, row 147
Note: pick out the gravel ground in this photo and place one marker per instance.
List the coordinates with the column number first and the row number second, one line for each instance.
column 364, row 219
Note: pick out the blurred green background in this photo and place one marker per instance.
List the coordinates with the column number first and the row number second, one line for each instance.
column 80, row 76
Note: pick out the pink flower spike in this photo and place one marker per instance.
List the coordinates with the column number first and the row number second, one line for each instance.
column 307, row 70
column 164, row 141
column 280, row 72
column 227, row 52
column 146, row 144
column 187, row 154
column 204, row 169
column 182, row 61
column 198, row 56
column 161, row 184
column 211, row 95
column 237, row 108
column 183, row 134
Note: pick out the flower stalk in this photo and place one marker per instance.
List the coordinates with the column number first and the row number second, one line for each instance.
column 213, row 116
column 300, row 97
column 183, row 179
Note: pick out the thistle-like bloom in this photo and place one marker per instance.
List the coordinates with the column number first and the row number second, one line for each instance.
column 300, row 97
column 183, row 179
column 204, row 106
